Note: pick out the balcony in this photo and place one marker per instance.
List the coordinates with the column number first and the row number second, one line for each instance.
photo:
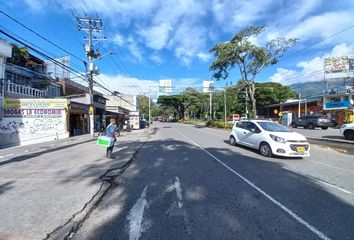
column 20, row 91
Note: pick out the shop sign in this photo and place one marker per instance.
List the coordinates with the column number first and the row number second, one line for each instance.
column 34, row 103
column 337, row 105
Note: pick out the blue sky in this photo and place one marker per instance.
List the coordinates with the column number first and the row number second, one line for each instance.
column 170, row 39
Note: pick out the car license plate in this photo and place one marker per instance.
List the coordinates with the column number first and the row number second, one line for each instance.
column 300, row 149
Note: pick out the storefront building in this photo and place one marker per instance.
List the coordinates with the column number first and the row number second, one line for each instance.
column 340, row 105
column 80, row 115
column 78, row 118
column 306, row 107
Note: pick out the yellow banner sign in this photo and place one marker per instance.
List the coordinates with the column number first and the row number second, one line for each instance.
column 35, row 103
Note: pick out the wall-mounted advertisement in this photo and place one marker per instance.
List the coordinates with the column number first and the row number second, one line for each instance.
column 33, row 120
column 208, row 86
column 339, row 67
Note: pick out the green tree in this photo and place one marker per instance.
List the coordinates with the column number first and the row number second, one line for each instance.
column 174, row 103
column 20, row 55
column 144, row 106
column 272, row 93
column 250, row 59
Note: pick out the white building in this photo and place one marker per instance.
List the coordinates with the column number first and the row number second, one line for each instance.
column 129, row 102
column 5, row 52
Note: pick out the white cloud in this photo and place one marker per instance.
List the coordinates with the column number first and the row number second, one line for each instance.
column 231, row 14
column 134, row 49
column 156, row 37
column 204, row 56
column 36, row 5
column 118, row 39
column 128, row 85
column 188, row 28
column 322, row 25
column 135, row 86
column 310, row 70
column 156, row 59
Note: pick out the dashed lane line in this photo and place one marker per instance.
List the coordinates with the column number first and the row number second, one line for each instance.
column 313, row 229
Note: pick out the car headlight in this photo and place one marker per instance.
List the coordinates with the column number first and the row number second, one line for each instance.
column 278, row 139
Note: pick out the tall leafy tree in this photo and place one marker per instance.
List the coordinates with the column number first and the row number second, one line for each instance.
column 20, row 55
column 241, row 53
column 272, row 93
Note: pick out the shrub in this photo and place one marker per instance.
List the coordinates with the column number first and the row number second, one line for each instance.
column 219, row 124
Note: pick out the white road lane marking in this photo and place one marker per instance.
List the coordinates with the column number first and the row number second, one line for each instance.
column 7, row 155
column 320, row 181
column 178, row 192
column 331, row 166
column 136, row 216
column 320, row 234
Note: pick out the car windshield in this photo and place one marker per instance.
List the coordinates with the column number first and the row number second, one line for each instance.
column 273, row 127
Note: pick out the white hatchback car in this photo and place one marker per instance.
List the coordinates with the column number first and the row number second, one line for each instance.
column 270, row 138
column 347, row 130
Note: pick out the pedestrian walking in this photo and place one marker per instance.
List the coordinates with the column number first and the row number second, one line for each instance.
column 110, row 132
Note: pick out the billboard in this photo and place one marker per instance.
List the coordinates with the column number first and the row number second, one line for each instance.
column 208, row 86
column 339, row 67
column 166, row 85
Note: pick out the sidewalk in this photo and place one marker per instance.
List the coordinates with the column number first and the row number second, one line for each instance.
column 328, row 135
column 43, row 186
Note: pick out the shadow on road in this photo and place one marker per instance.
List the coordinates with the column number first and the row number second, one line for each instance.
column 36, row 154
column 217, row 203
column 6, row 186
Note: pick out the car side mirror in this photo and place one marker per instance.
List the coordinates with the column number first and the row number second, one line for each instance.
column 255, row 130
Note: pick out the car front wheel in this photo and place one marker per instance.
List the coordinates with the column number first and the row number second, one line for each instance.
column 265, row 149
column 349, row 134
column 294, row 125
column 232, row 141
column 311, row 126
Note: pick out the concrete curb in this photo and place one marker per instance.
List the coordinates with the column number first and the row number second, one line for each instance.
column 331, row 140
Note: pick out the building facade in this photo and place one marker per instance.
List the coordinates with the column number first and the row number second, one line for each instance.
column 130, row 103
column 29, row 121
column 5, row 52
column 339, row 103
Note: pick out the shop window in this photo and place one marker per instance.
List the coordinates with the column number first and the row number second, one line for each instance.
column 335, row 100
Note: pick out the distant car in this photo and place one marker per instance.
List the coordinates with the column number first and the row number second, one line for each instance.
column 143, row 124
column 269, row 138
column 347, row 130
column 311, row 122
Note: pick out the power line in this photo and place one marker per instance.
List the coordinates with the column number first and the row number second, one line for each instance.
column 58, row 63
column 37, row 34
column 41, row 53
column 320, row 41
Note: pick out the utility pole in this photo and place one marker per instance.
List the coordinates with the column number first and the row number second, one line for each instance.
column 246, row 103
column 225, row 106
column 149, row 106
column 90, row 25
column 210, row 106
column 299, row 107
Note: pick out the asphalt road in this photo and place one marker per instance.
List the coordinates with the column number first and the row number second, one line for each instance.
column 42, row 186
column 189, row 183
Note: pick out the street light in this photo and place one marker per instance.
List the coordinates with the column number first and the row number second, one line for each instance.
column 108, row 53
